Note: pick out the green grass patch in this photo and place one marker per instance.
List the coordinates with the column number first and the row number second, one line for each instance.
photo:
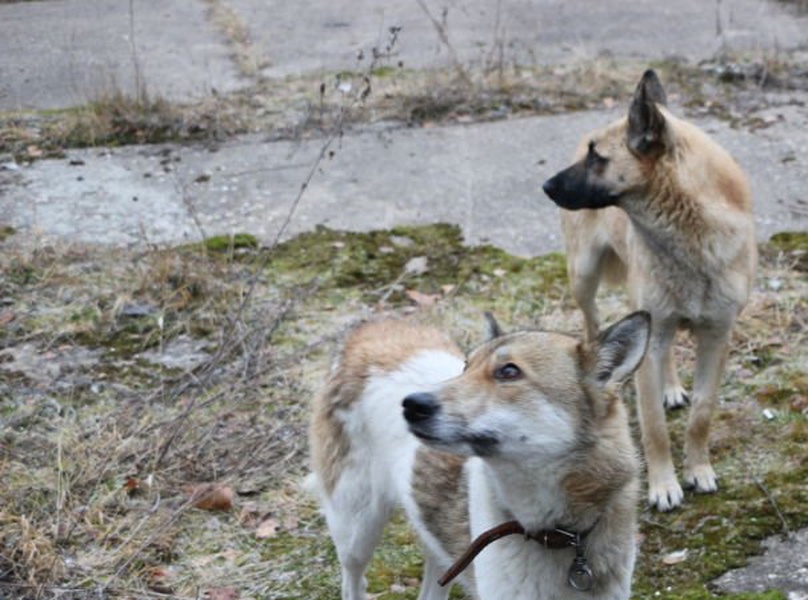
column 374, row 265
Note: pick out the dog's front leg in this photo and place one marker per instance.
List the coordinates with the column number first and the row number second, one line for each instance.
column 674, row 395
column 711, row 353
column 664, row 491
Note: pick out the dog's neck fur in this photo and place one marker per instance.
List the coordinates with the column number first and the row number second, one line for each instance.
column 686, row 221
column 527, row 492
column 531, row 494
column 681, row 229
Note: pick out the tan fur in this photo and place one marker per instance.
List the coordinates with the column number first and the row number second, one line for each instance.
column 368, row 346
column 680, row 232
column 440, row 488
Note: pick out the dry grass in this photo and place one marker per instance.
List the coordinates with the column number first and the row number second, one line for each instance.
column 103, row 438
column 237, row 34
column 97, row 454
column 377, row 89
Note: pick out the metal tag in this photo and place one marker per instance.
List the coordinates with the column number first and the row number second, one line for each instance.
column 580, row 575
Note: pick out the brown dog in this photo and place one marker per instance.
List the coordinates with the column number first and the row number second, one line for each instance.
column 653, row 201
column 527, row 435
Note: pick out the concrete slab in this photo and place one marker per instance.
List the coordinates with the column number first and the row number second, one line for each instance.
column 484, row 177
column 783, row 566
column 61, row 53
column 310, row 35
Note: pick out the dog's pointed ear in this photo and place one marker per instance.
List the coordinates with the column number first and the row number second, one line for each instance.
column 492, row 328
column 646, row 123
column 619, row 350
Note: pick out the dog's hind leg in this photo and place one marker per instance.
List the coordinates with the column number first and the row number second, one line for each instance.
column 664, row 491
column 711, row 353
column 355, row 520
column 430, row 589
column 674, row 395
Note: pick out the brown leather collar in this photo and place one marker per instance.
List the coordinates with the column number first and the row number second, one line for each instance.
column 580, row 576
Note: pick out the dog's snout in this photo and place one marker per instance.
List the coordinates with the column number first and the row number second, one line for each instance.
column 420, row 406
column 550, row 186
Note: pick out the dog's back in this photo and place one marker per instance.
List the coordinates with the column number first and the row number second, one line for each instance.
column 362, row 453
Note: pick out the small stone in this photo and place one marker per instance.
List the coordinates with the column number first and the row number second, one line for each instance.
column 137, row 310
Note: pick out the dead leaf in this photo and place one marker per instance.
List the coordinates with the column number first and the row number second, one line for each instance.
column 674, row 558
column 207, row 496
column 132, row 485
column 447, row 288
column 159, row 580
column 422, row 299
column 225, row 593
column 6, row 317
column 267, row 529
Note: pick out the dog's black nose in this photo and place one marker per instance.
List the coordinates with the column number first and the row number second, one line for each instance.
column 420, row 406
column 550, row 186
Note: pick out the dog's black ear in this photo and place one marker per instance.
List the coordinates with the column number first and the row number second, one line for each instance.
column 620, row 348
column 646, row 124
column 492, row 328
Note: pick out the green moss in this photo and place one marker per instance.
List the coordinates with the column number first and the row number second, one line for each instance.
column 22, row 273
column 228, row 243
column 385, row 71
column 6, row 231
column 373, row 264
column 770, row 595
column 794, row 244
column 303, row 566
column 720, row 531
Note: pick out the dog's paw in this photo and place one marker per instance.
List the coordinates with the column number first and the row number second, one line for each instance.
column 700, row 478
column 665, row 494
column 675, row 397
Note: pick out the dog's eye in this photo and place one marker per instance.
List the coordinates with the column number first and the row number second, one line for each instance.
column 507, row 372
